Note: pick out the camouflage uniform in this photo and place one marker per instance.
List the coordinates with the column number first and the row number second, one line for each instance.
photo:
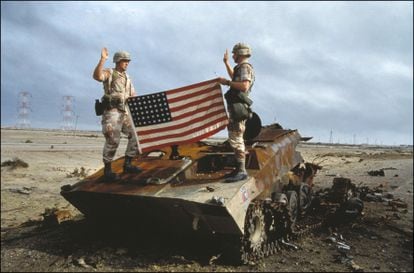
column 115, row 118
column 242, row 72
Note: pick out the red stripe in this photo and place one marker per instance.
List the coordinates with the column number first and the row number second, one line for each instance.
column 185, row 88
column 178, row 126
column 206, row 135
column 212, row 97
column 202, row 109
column 199, row 128
column 188, row 96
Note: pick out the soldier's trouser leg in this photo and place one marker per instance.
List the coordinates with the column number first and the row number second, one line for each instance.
column 236, row 131
column 111, row 128
column 132, row 147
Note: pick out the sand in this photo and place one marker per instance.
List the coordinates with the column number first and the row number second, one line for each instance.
column 56, row 158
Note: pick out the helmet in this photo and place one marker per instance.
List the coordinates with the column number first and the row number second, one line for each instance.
column 242, row 49
column 121, row 55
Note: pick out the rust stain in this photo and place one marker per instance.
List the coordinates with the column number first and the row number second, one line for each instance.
column 191, row 169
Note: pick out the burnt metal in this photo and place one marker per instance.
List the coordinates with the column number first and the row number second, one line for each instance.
column 342, row 190
column 186, row 191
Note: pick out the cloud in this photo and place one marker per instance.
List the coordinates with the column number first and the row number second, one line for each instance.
column 345, row 66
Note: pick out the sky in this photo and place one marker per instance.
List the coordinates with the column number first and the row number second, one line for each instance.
column 340, row 72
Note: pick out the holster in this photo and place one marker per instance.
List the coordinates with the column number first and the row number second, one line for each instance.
column 99, row 108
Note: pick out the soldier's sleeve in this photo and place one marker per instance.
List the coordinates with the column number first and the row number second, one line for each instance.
column 246, row 73
column 105, row 74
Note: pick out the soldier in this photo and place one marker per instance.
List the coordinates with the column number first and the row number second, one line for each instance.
column 242, row 79
column 117, row 88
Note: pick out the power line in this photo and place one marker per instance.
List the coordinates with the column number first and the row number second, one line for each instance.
column 68, row 113
column 23, row 110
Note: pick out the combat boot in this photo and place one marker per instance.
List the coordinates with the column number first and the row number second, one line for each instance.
column 238, row 174
column 238, row 177
column 108, row 174
column 232, row 173
column 128, row 168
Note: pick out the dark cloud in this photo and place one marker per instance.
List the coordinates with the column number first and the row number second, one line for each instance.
column 322, row 66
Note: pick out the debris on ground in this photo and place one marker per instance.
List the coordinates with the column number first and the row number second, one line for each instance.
column 377, row 194
column 14, row 163
column 77, row 173
column 379, row 172
column 81, row 262
column 344, row 250
column 23, row 190
column 214, row 258
column 289, row 245
column 53, row 216
column 398, row 203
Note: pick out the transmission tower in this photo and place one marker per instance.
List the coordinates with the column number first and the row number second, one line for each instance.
column 23, row 110
column 68, row 113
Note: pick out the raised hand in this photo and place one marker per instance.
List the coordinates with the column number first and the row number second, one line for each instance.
column 104, row 53
column 226, row 56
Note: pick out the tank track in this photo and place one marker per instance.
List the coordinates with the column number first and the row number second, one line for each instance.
column 278, row 230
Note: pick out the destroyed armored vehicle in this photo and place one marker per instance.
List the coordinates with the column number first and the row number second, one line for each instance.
column 183, row 187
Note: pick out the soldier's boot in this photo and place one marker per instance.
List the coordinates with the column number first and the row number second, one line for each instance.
column 240, row 173
column 232, row 173
column 108, row 174
column 129, row 168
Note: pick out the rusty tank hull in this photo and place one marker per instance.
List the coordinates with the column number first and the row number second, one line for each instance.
column 184, row 187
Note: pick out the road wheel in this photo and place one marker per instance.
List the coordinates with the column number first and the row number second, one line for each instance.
column 255, row 231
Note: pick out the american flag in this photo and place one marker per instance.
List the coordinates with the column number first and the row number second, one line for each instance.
column 183, row 115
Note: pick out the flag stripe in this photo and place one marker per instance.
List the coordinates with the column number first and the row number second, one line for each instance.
column 192, row 95
column 200, row 107
column 195, row 86
column 193, row 90
column 195, row 101
column 183, row 140
column 185, row 120
column 201, row 119
column 201, row 111
column 190, row 131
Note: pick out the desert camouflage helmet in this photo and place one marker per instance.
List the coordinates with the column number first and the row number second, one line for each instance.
column 121, row 55
column 242, row 49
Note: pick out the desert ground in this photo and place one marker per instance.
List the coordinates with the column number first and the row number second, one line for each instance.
column 36, row 163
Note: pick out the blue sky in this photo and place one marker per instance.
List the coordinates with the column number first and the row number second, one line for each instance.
column 345, row 67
